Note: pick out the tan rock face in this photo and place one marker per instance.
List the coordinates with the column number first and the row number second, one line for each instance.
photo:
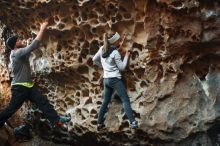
column 173, row 74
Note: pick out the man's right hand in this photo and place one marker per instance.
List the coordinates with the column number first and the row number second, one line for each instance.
column 43, row 25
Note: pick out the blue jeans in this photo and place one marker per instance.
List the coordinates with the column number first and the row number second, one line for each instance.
column 110, row 85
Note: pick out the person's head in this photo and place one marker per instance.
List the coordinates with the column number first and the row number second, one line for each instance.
column 14, row 42
column 111, row 39
column 114, row 38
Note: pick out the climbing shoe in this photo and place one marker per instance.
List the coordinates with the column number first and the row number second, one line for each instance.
column 63, row 120
column 133, row 125
column 100, row 127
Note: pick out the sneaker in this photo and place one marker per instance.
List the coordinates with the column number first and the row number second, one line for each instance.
column 133, row 125
column 100, row 127
column 63, row 120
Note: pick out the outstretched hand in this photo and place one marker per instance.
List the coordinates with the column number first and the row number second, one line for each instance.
column 43, row 25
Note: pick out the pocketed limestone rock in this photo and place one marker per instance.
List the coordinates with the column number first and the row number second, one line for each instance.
column 172, row 78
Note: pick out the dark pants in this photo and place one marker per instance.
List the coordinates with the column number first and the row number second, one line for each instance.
column 19, row 95
column 110, row 85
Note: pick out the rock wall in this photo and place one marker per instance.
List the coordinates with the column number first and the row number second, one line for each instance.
column 173, row 72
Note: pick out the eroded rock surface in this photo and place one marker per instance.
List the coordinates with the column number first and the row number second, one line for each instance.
column 173, row 75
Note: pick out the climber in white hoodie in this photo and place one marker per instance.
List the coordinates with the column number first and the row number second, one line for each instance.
column 109, row 59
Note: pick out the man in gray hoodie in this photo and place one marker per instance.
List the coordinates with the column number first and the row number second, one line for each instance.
column 22, row 86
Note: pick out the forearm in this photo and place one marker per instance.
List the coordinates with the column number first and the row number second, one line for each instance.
column 40, row 34
column 125, row 61
column 42, row 31
column 121, row 64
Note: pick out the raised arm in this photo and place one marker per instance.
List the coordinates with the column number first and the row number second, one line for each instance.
column 35, row 43
column 121, row 64
column 41, row 32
